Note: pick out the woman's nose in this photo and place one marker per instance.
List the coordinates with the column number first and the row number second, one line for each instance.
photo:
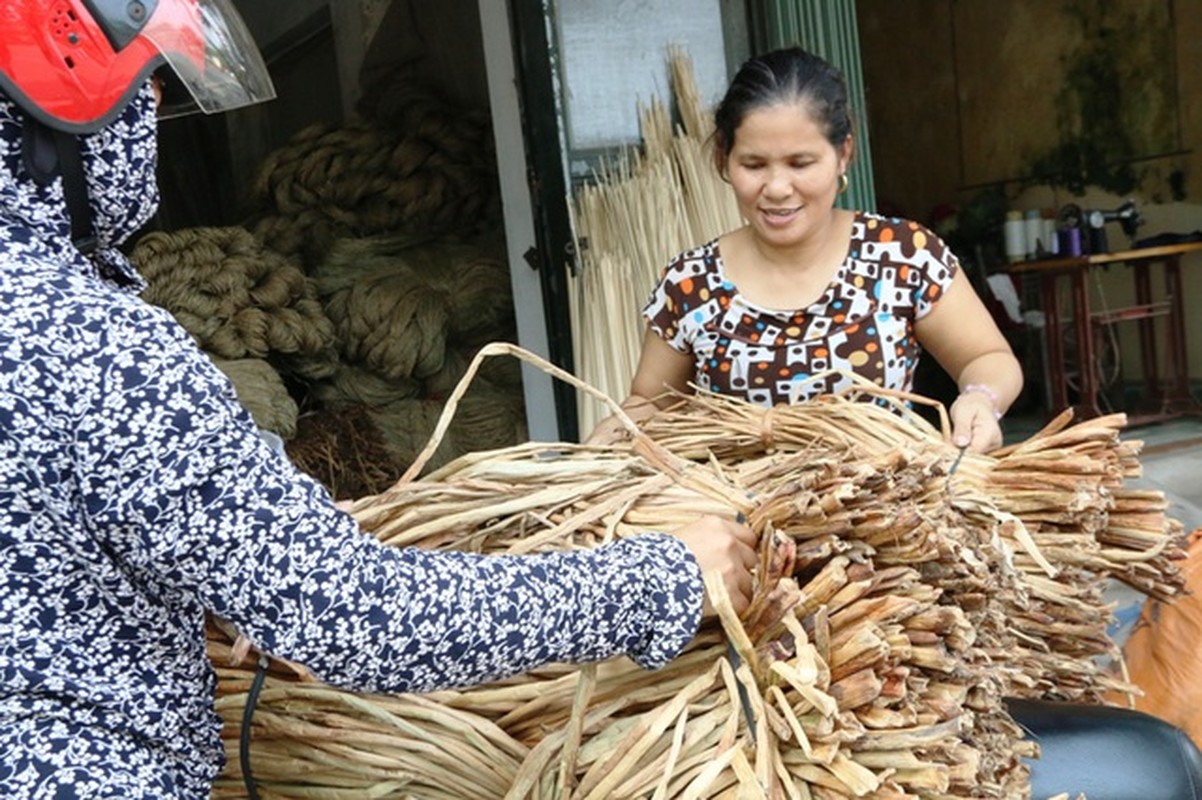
column 777, row 183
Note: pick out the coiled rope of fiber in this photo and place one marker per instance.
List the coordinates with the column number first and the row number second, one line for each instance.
column 261, row 390
column 358, row 385
column 499, row 378
column 399, row 100
column 359, row 179
column 487, row 419
column 391, row 325
column 491, row 412
column 472, row 274
column 397, row 301
column 410, row 314
column 238, row 298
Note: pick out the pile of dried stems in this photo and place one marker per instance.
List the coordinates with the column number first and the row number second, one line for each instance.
column 905, row 588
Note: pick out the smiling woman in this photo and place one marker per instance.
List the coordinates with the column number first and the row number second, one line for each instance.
column 804, row 288
column 785, row 174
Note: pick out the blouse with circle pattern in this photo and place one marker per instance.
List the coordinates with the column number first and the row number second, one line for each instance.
column 863, row 323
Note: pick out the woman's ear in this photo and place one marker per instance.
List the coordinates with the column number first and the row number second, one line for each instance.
column 847, row 151
column 721, row 154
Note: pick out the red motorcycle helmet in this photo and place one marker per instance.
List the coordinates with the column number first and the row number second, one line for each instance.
column 75, row 64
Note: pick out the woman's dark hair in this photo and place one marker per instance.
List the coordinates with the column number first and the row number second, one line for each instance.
column 791, row 75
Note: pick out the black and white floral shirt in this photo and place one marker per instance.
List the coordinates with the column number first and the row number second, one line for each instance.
column 136, row 495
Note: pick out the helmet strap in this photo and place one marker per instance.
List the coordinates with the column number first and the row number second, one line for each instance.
column 75, row 189
column 38, row 151
column 49, row 153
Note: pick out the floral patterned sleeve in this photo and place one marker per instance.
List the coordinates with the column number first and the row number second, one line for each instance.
column 203, row 508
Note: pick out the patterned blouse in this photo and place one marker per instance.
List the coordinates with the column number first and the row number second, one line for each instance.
column 136, row 496
column 863, row 323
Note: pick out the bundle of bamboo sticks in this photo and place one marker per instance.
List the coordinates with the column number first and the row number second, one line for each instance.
column 904, row 589
column 639, row 211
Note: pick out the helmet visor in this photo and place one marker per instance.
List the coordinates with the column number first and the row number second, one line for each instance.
column 212, row 54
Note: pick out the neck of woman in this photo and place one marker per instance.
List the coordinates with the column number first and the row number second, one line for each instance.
column 824, row 246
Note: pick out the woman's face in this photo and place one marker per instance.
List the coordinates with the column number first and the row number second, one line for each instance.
column 785, row 173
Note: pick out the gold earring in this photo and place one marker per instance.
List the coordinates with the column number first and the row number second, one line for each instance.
column 843, row 182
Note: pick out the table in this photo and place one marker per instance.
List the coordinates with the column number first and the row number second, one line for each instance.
column 1166, row 401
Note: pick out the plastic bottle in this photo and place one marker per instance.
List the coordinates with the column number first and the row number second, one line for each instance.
column 1048, row 237
column 1014, row 237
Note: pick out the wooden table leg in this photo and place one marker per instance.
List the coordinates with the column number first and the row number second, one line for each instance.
column 1178, row 366
column 1087, row 367
column 1147, row 339
column 1053, row 344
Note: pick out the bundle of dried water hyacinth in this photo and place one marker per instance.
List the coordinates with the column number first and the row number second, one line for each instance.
column 1058, row 498
column 893, row 594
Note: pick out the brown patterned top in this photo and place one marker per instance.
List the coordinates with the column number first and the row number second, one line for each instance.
column 894, row 273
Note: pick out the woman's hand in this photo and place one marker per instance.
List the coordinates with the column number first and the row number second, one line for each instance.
column 609, row 431
column 975, row 422
column 727, row 546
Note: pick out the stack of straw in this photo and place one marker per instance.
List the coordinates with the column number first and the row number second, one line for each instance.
column 897, row 602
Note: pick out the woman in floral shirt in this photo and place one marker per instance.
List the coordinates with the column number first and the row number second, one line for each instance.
column 136, row 495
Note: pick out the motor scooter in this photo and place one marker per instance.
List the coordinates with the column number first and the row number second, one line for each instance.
column 1107, row 753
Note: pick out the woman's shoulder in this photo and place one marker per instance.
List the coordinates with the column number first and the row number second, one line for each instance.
column 903, row 238
column 696, row 260
column 881, row 227
column 706, row 251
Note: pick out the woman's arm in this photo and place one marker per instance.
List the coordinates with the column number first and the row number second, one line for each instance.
column 194, row 511
column 962, row 336
column 660, row 367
